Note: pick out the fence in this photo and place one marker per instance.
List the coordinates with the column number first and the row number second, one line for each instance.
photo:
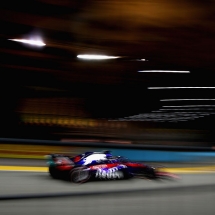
column 30, row 148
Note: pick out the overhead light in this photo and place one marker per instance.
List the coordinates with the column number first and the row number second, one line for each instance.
column 160, row 88
column 141, row 59
column 164, row 100
column 164, row 71
column 196, row 112
column 30, row 42
column 183, row 106
column 185, row 109
column 96, row 57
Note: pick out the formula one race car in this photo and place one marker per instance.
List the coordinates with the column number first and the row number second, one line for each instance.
column 100, row 166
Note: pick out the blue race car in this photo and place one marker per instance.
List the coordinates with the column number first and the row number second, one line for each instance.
column 100, row 166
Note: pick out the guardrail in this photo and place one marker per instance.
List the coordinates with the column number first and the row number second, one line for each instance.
column 104, row 145
column 36, row 149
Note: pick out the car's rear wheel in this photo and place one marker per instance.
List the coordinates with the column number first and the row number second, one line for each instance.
column 79, row 175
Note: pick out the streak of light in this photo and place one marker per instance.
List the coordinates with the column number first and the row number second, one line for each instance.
column 186, row 109
column 161, row 88
column 96, row 57
column 205, row 113
column 178, row 106
column 30, row 42
column 165, row 100
column 163, row 71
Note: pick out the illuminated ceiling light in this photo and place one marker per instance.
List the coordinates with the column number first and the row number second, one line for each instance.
column 164, row 100
column 183, row 106
column 141, row 59
column 164, row 116
column 96, row 57
column 198, row 112
column 164, row 71
column 30, row 42
column 186, row 109
column 161, row 88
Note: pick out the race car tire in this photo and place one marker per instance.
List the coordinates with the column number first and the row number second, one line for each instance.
column 79, row 175
column 151, row 173
column 147, row 172
column 53, row 172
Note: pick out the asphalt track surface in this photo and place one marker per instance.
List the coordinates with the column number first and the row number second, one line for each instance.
column 34, row 192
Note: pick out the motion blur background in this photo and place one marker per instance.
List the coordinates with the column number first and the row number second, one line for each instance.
column 49, row 93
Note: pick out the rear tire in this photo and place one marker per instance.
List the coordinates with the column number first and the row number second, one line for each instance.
column 79, row 175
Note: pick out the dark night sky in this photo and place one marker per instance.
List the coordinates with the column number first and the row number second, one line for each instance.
column 170, row 35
